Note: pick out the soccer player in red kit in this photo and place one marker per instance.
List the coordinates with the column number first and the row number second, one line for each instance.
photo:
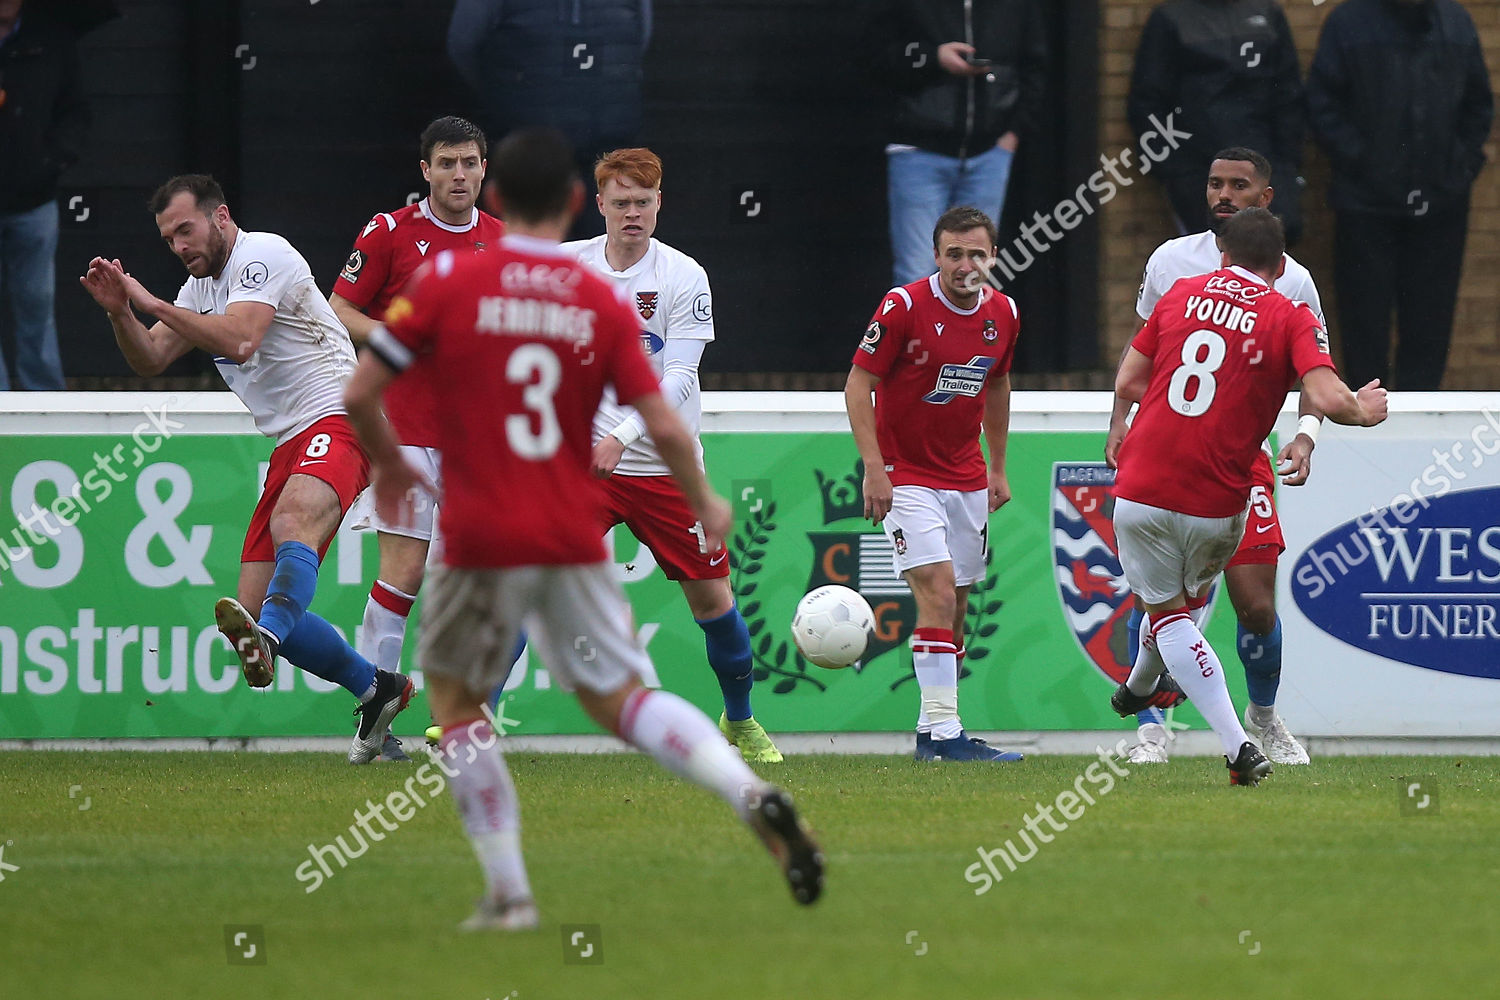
column 936, row 357
column 1210, row 369
column 524, row 339
column 389, row 250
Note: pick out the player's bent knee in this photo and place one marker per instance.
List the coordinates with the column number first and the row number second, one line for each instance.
column 1258, row 616
column 605, row 708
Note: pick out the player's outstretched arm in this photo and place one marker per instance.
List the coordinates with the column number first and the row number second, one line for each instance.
column 675, row 443
column 1294, row 461
column 859, row 402
column 997, row 435
column 1365, row 408
column 148, row 351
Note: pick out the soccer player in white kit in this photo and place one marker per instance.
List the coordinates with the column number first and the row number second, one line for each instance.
column 669, row 292
column 1237, row 178
column 251, row 302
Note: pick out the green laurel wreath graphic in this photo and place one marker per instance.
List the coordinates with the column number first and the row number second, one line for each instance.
column 771, row 656
column 981, row 607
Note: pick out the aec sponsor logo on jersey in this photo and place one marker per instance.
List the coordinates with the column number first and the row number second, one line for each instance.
column 1413, row 583
column 960, row 380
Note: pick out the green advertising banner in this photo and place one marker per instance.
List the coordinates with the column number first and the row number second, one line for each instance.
column 116, row 555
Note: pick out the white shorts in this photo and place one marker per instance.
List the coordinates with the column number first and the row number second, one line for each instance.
column 424, row 507
column 1165, row 553
column 576, row 620
column 928, row 526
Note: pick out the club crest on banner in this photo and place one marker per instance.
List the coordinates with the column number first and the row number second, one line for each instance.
column 1096, row 600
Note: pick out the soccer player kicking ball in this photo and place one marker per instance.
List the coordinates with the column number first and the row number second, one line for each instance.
column 251, row 302
column 669, row 291
column 523, row 339
column 936, row 357
column 1237, row 178
column 1210, row 369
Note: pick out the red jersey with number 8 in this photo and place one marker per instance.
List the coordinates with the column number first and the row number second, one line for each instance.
column 1225, row 348
column 522, row 339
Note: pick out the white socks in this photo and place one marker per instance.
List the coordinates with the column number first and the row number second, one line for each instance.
column 384, row 627
column 1200, row 675
column 935, row 662
column 685, row 742
column 486, row 800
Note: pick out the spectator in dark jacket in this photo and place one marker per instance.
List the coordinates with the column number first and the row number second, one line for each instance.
column 969, row 79
column 1399, row 96
column 572, row 65
column 1230, row 66
column 42, row 123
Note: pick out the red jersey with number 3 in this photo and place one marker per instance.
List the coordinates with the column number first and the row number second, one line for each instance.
column 387, row 253
column 1225, row 348
column 935, row 362
column 523, row 339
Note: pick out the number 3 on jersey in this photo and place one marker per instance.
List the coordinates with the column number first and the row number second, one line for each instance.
column 537, row 369
column 1199, row 371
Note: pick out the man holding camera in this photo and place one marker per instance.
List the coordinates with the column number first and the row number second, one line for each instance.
column 967, row 79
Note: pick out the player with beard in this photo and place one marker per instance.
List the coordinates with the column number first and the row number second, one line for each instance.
column 251, row 302
column 1238, row 178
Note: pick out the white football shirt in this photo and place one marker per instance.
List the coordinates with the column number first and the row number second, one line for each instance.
column 669, row 292
column 1190, row 256
column 296, row 377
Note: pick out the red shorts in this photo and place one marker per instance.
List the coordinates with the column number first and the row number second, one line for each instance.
column 327, row 450
column 657, row 513
column 1262, row 542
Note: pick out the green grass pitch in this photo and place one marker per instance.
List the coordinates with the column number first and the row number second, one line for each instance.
column 1317, row 884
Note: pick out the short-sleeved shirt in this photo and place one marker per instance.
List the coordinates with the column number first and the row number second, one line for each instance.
column 523, row 339
column 669, row 292
column 386, row 254
column 1224, row 349
column 296, row 377
column 1190, row 256
column 935, row 362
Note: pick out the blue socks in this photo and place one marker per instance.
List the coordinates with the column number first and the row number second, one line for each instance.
column 515, row 655
column 306, row 640
column 1261, row 655
column 317, row 647
column 1133, row 630
column 727, row 640
column 291, row 590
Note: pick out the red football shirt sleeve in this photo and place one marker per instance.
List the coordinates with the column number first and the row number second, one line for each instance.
column 1145, row 341
column 618, row 338
column 1309, row 341
column 369, row 265
column 885, row 337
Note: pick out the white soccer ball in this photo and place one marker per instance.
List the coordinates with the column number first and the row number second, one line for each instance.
column 832, row 626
